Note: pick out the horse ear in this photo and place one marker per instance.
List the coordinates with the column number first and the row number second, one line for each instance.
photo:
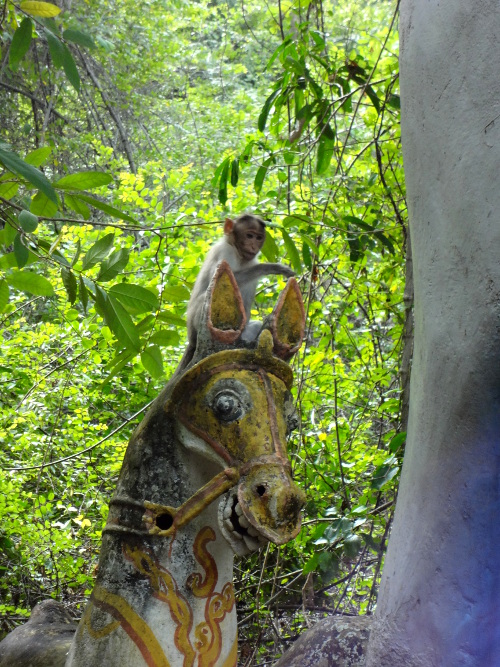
column 287, row 321
column 224, row 313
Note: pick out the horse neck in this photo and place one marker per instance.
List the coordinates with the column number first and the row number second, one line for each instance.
column 161, row 602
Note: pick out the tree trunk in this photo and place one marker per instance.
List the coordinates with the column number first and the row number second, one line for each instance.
column 440, row 596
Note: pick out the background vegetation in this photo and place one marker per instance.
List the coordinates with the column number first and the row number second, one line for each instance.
column 128, row 132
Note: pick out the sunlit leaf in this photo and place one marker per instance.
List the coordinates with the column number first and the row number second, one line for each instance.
column 83, row 180
column 136, row 298
column 113, row 265
column 77, row 205
column 38, row 156
column 117, row 319
column 4, row 294
column 98, row 251
column 28, row 281
column 42, row 206
column 37, row 8
column 152, row 361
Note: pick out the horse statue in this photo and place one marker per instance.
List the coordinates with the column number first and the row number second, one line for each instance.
column 205, row 475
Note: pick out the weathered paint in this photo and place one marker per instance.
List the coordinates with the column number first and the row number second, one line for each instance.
column 206, row 474
column 164, row 594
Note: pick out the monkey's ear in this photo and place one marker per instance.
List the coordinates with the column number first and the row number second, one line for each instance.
column 228, row 226
column 224, row 314
column 287, row 321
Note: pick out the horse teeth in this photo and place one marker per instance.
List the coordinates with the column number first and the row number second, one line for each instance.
column 238, row 510
column 250, row 543
column 243, row 521
column 228, row 525
column 228, row 510
column 251, row 531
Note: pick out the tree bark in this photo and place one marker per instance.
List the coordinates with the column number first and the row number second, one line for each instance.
column 440, row 595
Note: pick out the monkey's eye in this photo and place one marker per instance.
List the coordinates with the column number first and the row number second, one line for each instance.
column 227, row 406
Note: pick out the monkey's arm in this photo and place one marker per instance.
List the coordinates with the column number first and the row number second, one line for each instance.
column 256, row 271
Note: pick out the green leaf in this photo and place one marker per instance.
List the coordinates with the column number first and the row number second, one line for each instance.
column 37, row 8
column 77, row 253
column 30, row 282
column 102, row 206
column 38, row 156
column 386, row 241
column 358, row 222
column 4, row 294
column 292, row 252
column 70, row 284
column 218, row 172
column 394, row 101
column 270, row 249
column 8, row 261
column 98, row 251
column 21, row 252
column 8, row 190
column 318, row 39
column 28, row 221
column 79, row 37
column 135, row 298
column 235, row 171
column 41, row 205
column 10, row 230
column 77, row 206
column 83, row 180
column 118, row 320
column 165, row 337
column 20, row 43
column 70, row 69
column 14, row 163
column 326, row 146
column 306, row 255
column 373, row 97
column 152, row 361
column 263, row 116
column 259, row 178
column 113, row 265
column 223, row 182
column 383, row 474
column 171, row 318
column 397, row 441
column 56, row 49
column 175, row 293
column 84, row 295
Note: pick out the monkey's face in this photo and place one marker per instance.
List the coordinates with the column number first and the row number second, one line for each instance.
column 249, row 238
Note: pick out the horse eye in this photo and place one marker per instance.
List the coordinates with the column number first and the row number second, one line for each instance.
column 227, row 407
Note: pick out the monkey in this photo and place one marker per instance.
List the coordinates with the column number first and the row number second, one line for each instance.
column 242, row 241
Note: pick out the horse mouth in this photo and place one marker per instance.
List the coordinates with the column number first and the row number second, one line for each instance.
column 237, row 530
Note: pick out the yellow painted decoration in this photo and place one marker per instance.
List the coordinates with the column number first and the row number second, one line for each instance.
column 207, row 646
column 135, row 627
column 165, row 589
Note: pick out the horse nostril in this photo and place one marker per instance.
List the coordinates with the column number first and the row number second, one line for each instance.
column 261, row 490
column 164, row 521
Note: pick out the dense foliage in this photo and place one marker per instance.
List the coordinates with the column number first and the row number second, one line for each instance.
column 128, row 132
